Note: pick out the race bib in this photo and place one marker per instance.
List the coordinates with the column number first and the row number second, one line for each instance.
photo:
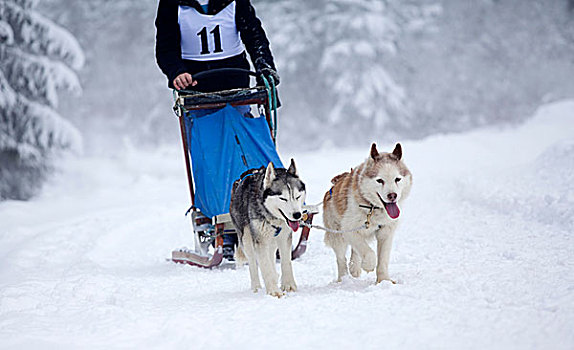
column 209, row 37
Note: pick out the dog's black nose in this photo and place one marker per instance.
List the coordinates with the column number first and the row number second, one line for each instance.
column 297, row 215
column 392, row 196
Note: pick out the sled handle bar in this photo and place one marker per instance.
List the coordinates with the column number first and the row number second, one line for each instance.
column 220, row 71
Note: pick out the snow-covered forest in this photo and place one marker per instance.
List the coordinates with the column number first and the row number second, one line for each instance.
column 38, row 58
column 93, row 190
column 352, row 70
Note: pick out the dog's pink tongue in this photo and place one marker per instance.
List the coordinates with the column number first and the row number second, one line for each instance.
column 294, row 225
column 392, row 210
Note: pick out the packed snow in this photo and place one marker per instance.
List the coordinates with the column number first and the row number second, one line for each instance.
column 483, row 256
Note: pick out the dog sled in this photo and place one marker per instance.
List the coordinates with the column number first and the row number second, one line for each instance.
column 222, row 139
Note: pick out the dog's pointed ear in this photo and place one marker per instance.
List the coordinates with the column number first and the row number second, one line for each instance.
column 269, row 175
column 374, row 152
column 398, row 151
column 292, row 168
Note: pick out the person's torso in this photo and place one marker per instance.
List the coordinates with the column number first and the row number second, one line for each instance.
column 209, row 37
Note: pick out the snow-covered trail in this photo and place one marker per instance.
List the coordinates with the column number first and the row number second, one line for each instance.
column 484, row 256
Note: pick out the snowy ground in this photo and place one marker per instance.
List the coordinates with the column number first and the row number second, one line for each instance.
column 484, row 256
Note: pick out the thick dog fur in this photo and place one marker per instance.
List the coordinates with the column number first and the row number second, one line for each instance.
column 382, row 182
column 265, row 209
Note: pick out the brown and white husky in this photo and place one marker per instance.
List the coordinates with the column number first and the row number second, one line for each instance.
column 364, row 204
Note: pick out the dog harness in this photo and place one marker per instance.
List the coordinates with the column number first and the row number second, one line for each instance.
column 209, row 37
column 371, row 208
column 277, row 230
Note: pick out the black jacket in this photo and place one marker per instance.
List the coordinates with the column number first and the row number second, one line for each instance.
column 168, row 46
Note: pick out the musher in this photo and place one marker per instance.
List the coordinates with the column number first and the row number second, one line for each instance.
column 199, row 35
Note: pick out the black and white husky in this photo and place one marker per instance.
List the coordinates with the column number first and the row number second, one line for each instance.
column 266, row 205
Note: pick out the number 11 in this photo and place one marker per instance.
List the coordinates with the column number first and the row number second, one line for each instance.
column 216, row 38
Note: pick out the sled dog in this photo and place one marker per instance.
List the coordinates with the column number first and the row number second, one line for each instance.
column 362, row 204
column 265, row 209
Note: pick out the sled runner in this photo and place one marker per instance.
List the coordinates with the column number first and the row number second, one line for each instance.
column 224, row 139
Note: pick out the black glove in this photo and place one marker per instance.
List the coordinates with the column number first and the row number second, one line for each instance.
column 265, row 69
column 270, row 72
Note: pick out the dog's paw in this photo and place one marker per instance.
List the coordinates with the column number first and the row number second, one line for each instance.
column 354, row 269
column 381, row 279
column 289, row 286
column 369, row 261
column 255, row 288
column 275, row 293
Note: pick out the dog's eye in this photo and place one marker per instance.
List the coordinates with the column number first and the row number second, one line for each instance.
column 381, row 181
column 397, row 179
column 298, row 197
column 283, row 199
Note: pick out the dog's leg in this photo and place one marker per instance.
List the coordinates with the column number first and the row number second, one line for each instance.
column 266, row 258
column 287, row 280
column 384, row 244
column 337, row 242
column 249, row 251
column 362, row 256
column 369, row 261
column 355, row 263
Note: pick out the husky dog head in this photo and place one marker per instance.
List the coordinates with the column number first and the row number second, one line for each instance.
column 386, row 181
column 284, row 194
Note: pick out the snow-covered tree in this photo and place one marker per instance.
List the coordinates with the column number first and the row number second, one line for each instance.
column 37, row 59
column 490, row 62
column 336, row 55
column 118, row 38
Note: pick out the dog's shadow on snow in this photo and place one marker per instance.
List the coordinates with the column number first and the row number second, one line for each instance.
column 348, row 286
